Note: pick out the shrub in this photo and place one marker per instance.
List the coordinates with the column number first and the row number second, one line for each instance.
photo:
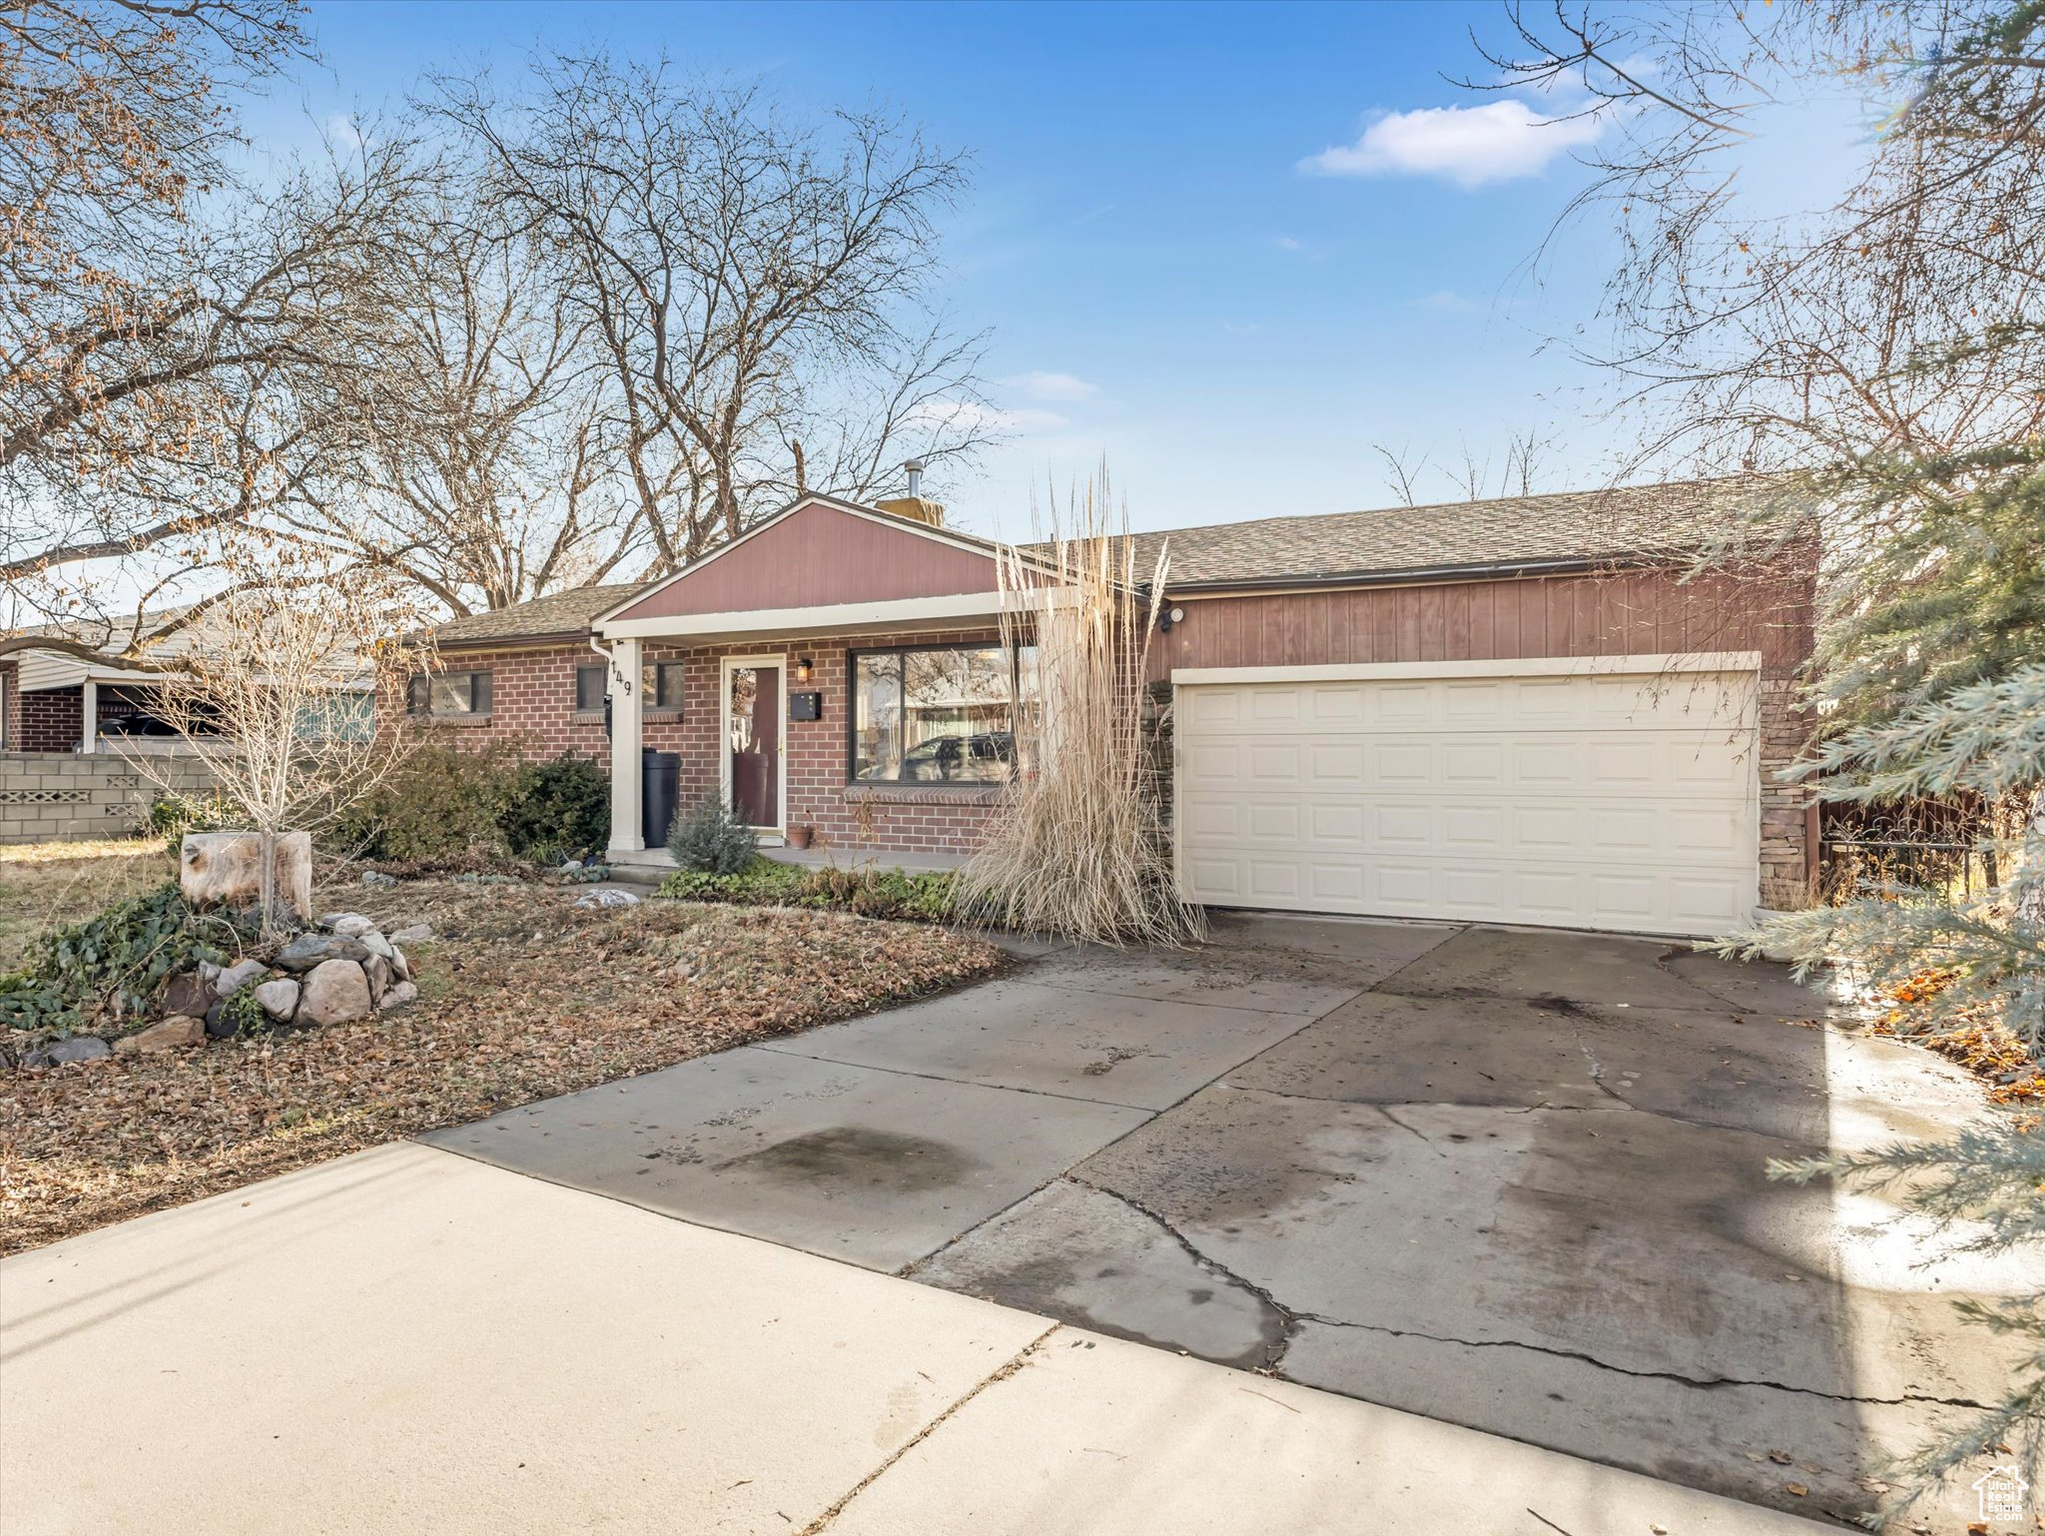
column 709, row 837
column 868, row 893
column 439, row 805
column 111, row 964
column 172, row 816
column 559, row 809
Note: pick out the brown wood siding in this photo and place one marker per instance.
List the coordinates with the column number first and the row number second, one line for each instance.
column 819, row 556
column 1606, row 614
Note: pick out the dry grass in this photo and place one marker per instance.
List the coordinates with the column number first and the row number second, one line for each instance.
column 523, row 997
column 1079, row 847
column 46, row 885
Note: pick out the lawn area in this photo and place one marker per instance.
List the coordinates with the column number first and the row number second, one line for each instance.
column 45, row 885
column 522, row 996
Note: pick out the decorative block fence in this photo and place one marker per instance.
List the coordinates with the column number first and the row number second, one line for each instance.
column 54, row 796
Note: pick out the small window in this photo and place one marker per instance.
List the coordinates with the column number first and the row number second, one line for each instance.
column 589, row 689
column 449, row 694
column 953, row 714
column 663, row 686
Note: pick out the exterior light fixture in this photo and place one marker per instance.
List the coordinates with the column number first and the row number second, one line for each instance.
column 802, row 669
column 1169, row 617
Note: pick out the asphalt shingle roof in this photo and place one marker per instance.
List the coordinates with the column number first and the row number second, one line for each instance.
column 558, row 613
column 1574, row 525
column 1626, row 522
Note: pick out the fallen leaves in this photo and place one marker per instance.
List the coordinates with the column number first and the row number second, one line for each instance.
column 97, row 1142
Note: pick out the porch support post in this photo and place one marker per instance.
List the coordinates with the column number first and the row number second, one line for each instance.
column 626, row 738
column 88, row 738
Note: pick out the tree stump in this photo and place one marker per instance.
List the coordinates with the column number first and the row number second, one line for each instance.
column 226, row 869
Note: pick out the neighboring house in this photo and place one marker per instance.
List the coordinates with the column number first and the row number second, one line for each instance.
column 1512, row 711
column 58, row 701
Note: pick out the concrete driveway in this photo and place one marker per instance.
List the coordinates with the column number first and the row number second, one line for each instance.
column 1506, row 1179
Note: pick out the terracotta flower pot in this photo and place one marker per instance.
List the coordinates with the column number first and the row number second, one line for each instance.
column 798, row 837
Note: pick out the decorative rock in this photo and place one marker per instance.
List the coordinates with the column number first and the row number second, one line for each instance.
column 608, row 899
column 172, row 1034
column 377, row 972
column 70, row 1048
column 335, row 992
column 376, row 944
column 279, row 998
column 234, row 978
column 349, row 925
column 377, row 880
column 191, row 993
column 311, row 949
column 208, row 972
column 571, row 867
column 218, row 1024
column 413, row 933
column 401, row 995
column 401, row 968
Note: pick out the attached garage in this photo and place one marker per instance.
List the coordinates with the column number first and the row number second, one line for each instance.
column 1615, row 792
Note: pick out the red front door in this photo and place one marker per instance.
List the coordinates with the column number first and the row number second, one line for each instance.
column 753, row 714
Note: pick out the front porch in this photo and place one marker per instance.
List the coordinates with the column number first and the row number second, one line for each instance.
column 837, row 670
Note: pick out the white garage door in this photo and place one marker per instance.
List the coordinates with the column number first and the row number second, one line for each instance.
column 1617, row 800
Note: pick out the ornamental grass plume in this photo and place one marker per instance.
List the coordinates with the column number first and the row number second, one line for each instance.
column 1079, row 847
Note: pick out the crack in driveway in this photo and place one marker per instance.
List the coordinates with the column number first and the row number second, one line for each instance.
column 1703, row 1383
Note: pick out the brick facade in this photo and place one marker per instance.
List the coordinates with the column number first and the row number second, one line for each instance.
column 532, row 705
column 533, row 691
column 47, row 720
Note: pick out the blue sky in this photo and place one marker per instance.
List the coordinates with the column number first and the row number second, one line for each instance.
column 1167, row 277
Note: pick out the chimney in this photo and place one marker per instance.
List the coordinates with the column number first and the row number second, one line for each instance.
column 913, row 506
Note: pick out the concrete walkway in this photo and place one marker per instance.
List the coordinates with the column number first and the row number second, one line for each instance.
column 408, row 1340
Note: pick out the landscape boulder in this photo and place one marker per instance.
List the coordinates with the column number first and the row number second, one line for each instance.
column 377, row 880
column 610, row 898
column 401, row 994
column 413, row 933
column 233, row 979
column 401, row 968
column 312, row 949
column 226, row 869
column 377, row 972
column 334, row 992
column 350, row 925
column 190, row 993
column 174, row 1033
column 218, row 1024
column 70, row 1048
column 376, row 944
column 279, row 998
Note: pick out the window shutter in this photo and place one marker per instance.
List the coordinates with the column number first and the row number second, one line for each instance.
column 415, row 694
column 479, row 693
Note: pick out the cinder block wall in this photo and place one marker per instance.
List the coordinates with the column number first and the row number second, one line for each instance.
column 57, row 796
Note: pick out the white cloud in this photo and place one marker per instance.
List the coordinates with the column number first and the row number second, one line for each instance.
column 1043, row 385
column 1498, row 141
column 1287, row 243
column 973, row 415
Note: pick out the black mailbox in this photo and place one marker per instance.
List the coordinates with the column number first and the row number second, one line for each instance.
column 805, row 706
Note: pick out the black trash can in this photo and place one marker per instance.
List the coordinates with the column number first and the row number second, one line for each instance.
column 660, row 779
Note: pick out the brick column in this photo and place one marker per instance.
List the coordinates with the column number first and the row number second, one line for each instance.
column 1786, row 875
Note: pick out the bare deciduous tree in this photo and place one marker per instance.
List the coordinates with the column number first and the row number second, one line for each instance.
column 160, row 311
column 473, row 452
column 746, row 284
column 277, row 701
